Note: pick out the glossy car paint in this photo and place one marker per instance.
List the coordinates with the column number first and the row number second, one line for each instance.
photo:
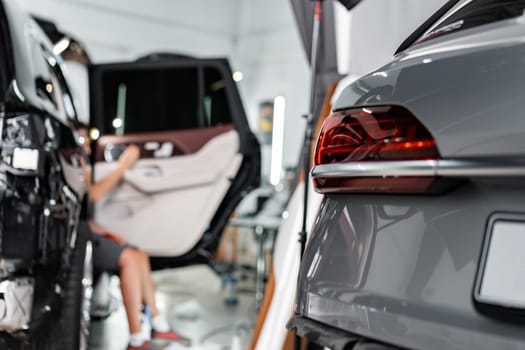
column 401, row 269
column 449, row 83
column 33, row 57
column 47, row 246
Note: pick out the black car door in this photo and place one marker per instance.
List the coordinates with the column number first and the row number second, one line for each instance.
column 198, row 155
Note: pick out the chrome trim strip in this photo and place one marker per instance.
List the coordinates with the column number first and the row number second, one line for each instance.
column 481, row 168
column 441, row 167
column 376, row 169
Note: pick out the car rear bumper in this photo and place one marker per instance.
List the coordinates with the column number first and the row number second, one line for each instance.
column 402, row 270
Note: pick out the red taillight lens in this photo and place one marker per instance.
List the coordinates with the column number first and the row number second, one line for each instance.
column 368, row 134
column 388, row 134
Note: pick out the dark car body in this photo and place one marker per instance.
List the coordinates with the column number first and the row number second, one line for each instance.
column 198, row 158
column 44, row 257
column 421, row 247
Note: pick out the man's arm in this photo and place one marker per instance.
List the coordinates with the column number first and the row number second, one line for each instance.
column 101, row 188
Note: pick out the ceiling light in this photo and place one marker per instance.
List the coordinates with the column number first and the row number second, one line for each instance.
column 117, row 123
column 237, row 76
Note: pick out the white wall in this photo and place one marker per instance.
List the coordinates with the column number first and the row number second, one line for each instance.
column 378, row 27
column 270, row 55
column 126, row 29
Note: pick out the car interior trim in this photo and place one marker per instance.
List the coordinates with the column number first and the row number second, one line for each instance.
column 186, row 141
column 184, row 186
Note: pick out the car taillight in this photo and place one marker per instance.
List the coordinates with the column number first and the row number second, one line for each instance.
column 352, row 140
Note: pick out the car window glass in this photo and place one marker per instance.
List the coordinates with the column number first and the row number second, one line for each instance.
column 475, row 13
column 150, row 100
column 215, row 102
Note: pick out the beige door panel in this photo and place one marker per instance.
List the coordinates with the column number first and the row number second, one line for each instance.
column 164, row 205
column 199, row 169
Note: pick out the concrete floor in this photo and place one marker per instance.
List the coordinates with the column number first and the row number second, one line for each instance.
column 192, row 300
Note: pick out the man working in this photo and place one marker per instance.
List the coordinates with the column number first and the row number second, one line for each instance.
column 111, row 253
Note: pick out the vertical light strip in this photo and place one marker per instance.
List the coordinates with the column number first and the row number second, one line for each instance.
column 118, row 122
column 343, row 37
column 276, row 167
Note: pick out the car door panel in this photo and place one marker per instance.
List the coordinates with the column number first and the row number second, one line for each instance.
column 197, row 153
column 181, row 185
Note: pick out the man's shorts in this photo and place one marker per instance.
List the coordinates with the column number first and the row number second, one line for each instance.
column 106, row 253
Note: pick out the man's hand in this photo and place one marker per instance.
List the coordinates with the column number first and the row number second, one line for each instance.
column 129, row 156
column 101, row 188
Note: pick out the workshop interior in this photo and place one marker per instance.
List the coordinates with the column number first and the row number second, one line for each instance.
column 262, row 175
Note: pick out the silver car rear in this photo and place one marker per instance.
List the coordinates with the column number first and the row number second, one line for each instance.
column 438, row 265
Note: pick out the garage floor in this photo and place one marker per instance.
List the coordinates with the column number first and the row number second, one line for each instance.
column 192, row 299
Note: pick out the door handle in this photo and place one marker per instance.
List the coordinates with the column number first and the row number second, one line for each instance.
column 151, row 170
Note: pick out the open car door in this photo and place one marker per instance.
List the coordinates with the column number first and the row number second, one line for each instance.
column 198, row 155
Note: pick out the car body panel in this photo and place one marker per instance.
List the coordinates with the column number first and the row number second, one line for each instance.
column 33, row 58
column 402, row 268
column 35, row 68
column 405, row 269
column 42, row 189
column 460, row 70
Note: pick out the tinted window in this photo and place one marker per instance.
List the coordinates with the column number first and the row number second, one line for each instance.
column 165, row 99
column 476, row 13
column 151, row 100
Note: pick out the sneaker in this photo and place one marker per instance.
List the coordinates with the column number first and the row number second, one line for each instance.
column 145, row 346
column 171, row 336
